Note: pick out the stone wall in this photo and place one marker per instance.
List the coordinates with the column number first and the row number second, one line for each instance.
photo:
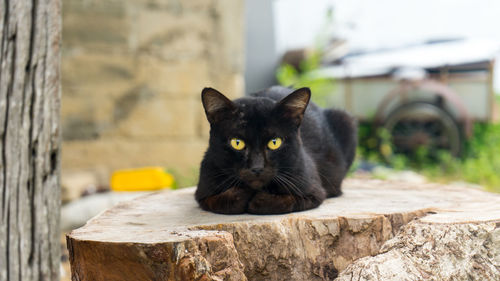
column 132, row 73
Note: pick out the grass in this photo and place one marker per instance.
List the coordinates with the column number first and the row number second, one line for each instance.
column 479, row 164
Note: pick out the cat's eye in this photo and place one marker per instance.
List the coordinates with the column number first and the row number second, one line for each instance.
column 274, row 144
column 237, row 144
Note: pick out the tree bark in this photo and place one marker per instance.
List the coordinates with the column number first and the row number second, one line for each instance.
column 426, row 250
column 166, row 236
column 30, row 32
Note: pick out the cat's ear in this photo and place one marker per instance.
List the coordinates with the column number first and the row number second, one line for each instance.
column 293, row 106
column 216, row 105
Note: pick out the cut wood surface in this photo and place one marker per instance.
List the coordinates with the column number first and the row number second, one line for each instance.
column 376, row 230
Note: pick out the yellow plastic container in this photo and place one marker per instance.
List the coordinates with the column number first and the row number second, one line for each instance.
column 142, row 179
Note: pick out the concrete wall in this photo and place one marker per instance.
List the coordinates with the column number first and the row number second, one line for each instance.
column 260, row 45
column 132, row 75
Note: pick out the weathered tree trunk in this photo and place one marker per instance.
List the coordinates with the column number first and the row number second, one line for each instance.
column 30, row 33
column 411, row 231
column 430, row 250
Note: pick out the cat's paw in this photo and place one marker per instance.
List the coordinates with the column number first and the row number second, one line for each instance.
column 264, row 203
column 231, row 201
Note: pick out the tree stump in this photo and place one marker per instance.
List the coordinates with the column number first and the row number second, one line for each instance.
column 376, row 229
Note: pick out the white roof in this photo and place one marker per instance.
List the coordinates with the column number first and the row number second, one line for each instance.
column 419, row 56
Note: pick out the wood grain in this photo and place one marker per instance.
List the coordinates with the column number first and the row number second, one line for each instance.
column 30, row 33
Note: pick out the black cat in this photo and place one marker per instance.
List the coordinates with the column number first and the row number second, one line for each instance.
column 271, row 153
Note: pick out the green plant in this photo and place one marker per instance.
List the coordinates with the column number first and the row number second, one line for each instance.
column 184, row 178
column 479, row 163
column 304, row 76
column 287, row 76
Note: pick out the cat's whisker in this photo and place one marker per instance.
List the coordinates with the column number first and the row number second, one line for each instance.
column 325, row 178
column 298, row 192
column 296, row 189
column 222, row 185
column 224, row 172
column 294, row 178
column 281, row 183
column 290, row 184
column 284, row 185
column 302, row 179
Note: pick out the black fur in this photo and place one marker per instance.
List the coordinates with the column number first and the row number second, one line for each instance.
column 317, row 150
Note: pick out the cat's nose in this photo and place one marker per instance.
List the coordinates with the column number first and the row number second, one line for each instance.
column 257, row 171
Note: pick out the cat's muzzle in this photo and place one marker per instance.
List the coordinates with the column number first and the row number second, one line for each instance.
column 256, row 179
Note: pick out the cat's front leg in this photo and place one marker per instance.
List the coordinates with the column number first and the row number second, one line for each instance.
column 232, row 201
column 264, row 203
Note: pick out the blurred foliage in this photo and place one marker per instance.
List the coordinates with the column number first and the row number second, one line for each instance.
column 289, row 76
column 479, row 163
column 321, row 88
column 185, row 178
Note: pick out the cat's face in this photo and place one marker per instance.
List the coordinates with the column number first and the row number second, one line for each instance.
column 254, row 139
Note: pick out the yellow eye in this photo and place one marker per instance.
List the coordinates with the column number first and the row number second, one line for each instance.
column 237, row 144
column 274, row 143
